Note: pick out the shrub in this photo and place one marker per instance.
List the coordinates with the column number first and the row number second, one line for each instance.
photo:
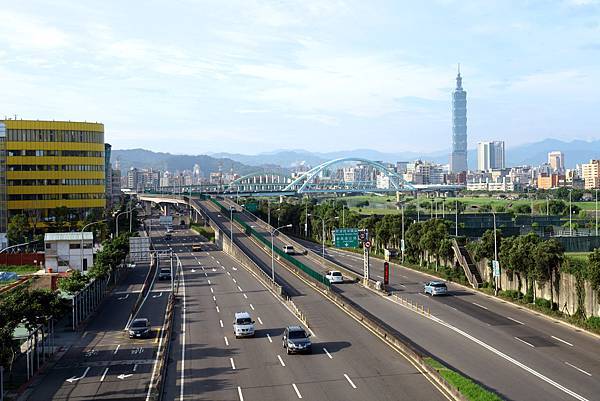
column 593, row 322
column 543, row 303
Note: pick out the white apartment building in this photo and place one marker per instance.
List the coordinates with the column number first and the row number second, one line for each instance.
column 63, row 251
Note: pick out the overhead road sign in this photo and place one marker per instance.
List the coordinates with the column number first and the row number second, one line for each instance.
column 345, row 237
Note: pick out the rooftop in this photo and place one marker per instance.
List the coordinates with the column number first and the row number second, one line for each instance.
column 71, row 236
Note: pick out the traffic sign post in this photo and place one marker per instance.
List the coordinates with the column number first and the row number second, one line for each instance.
column 364, row 236
column 496, row 273
column 346, row 237
column 386, row 273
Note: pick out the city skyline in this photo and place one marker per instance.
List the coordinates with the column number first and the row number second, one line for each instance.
column 250, row 77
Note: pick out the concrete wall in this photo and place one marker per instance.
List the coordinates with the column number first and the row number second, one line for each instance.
column 565, row 290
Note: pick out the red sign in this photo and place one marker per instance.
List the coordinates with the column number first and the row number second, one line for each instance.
column 386, row 273
column 367, row 244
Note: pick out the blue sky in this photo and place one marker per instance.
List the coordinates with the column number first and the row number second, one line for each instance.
column 248, row 76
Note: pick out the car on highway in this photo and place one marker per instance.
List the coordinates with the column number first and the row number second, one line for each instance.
column 296, row 340
column 140, row 328
column 334, row 276
column 243, row 325
column 435, row 288
column 164, row 273
column 168, row 236
column 196, row 247
column 288, row 249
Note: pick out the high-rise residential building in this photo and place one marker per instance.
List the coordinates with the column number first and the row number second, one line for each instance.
column 52, row 164
column 590, row 172
column 556, row 160
column 490, row 156
column 3, row 194
column 458, row 159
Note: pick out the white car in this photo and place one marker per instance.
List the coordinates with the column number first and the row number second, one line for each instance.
column 288, row 249
column 243, row 325
column 334, row 276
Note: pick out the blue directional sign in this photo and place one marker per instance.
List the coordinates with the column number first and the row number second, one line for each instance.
column 345, row 237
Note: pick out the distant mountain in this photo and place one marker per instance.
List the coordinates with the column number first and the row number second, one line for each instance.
column 576, row 152
column 142, row 158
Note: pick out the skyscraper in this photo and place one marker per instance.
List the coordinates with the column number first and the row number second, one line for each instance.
column 458, row 159
column 556, row 160
column 490, row 155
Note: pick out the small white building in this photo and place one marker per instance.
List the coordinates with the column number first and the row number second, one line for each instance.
column 63, row 251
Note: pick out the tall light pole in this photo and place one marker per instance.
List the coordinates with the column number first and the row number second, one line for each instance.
column 418, row 210
column 82, row 230
column 456, row 218
column 231, row 227
column 306, row 220
column 268, row 211
column 402, row 242
column 273, row 250
column 596, row 212
column 570, row 215
column 117, row 221
column 495, row 255
column 323, row 221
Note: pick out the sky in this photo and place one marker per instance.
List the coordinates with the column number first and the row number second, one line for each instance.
column 252, row 76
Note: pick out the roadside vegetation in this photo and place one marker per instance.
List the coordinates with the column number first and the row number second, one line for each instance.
column 205, row 231
column 467, row 387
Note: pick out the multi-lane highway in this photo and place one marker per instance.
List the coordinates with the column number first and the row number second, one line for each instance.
column 510, row 350
column 104, row 363
column 207, row 362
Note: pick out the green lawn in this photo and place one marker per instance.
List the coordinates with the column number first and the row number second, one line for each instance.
column 23, row 269
column 583, row 256
column 466, row 386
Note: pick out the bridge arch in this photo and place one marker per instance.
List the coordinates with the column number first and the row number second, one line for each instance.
column 272, row 180
column 302, row 183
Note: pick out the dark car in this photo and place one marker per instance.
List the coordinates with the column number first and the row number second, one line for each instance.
column 295, row 340
column 164, row 274
column 139, row 328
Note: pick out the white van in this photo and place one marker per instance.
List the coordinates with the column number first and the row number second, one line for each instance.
column 243, row 325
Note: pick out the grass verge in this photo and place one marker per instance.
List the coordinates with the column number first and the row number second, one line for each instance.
column 206, row 232
column 466, row 386
column 20, row 269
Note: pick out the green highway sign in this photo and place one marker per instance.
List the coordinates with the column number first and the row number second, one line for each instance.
column 251, row 206
column 345, row 237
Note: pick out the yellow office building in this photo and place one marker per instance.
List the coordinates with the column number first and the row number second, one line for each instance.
column 50, row 164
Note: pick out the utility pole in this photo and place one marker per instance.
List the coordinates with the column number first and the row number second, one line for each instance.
column 570, row 215
column 402, row 241
column 495, row 262
column 456, row 218
column 306, row 220
column 596, row 212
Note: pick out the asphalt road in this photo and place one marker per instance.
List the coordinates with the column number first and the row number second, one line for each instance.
column 104, row 364
column 512, row 351
column 348, row 362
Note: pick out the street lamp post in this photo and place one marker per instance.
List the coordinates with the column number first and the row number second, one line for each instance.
column 273, row 250
column 82, row 230
column 402, row 242
column 231, row 227
column 596, row 212
column 570, row 216
column 495, row 255
column 456, row 217
column 117, row 221
column 306, row 221
column 323, row 222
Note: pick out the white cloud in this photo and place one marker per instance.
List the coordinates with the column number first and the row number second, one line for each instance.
column 28, row 32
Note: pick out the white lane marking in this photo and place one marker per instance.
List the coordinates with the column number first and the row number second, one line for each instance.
column 579, row 369
column 214, row 298
column 240, row 393
column 213, row 269
column 481, row 306
column 218, row 309
column 281, row 361
column 124, row 297
column 239, row 288
column 562, row 341
column 234, row 280
column 232, row 363
column 117, row 349
column 229, row 274
column 259, row 320
column 327, row 352
column 104, row 375
column 297, row 391
column 212, row 256
column 219, row 262
column 245, row 296
column 312, row 333
column 252, row 306
column 135, row 367
column 349, row 381
column 221, row 322
column 209, row 283
column 211, row 290
column 525, row 342
column 183, row 329
column 510, row 359
column 226, row 341
column 379, row 276
column 514, row 320
column 269, row 337
column 205, row 274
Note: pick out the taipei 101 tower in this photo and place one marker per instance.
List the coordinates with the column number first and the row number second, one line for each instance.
column 458, row 159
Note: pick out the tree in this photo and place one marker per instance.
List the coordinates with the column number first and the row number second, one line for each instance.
column 594, row 269
column 19, row 230
column 484, row 248
column 548, row 256
column 75, row 282
column 414, row 251
column 445, row 250
column 521, row 257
